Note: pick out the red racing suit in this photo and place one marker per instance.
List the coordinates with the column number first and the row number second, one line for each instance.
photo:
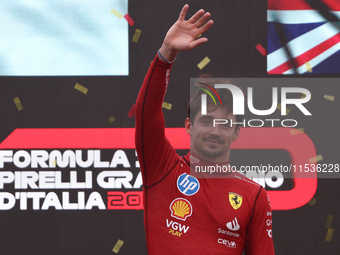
column 188, row 215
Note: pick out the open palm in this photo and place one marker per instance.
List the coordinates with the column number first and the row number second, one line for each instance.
column 182, row 35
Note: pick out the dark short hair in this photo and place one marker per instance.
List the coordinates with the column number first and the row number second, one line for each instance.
column 225, row 95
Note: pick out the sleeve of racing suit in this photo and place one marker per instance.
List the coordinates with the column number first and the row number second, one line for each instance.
column 156, row 155
column 259, row 239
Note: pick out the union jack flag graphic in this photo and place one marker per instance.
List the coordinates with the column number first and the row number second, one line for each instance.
column 303, row 36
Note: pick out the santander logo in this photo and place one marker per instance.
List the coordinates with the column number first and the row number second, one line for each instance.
column 233, row 225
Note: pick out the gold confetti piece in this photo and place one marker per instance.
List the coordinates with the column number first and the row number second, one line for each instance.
column 111, row 119
column 304, row 95
column 203, row 63
column 18, row 103
column 81, row 88
column 308, row 67
column 297, row 131
column 330, row 98
column 117, row 13
column 314, row 200
column 118, row 246
column 329, row 234
column 279, row 108
column 136, row 35
column 329, row 221
column 316, row 159
column 167, row 105
column 199, row 35
column 54, row 163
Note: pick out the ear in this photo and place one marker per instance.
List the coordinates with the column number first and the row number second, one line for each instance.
column 187, row 125
column 236, row 134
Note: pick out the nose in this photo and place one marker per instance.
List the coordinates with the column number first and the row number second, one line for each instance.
column 215, row 131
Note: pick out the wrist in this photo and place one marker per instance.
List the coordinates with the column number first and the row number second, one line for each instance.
column 168, row 53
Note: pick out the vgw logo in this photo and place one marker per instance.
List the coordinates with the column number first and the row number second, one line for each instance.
column 187, row 184
column 238, row 104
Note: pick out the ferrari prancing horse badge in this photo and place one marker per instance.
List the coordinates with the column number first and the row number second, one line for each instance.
column 235, row 200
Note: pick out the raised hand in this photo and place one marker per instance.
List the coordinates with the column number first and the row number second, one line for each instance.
column 182, row 35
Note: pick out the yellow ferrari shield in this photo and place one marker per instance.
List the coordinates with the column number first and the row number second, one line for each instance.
column 235, row 200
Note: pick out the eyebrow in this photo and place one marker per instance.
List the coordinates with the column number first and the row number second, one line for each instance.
column 206, row 117
column 210, row 117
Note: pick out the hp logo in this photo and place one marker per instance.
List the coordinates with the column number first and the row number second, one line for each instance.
column 187, row 184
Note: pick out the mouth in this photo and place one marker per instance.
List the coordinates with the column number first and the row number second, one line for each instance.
column 213, row 141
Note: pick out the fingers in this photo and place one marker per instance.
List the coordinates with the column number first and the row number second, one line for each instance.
column 196, row 16
column 183, row 12
column 205, row 27
column 197, row 42
column 202, row 20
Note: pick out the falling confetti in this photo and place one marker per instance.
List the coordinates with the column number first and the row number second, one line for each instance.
column 167, row 105
column 297, row 131
column 81, row 88
column 314, row 200
column 304, row 95
column 136, row 35
column 279, row 108
column 18, row 103
column 329, row 234
column 261, row 49
column 315, row 159
column 118, row 246
column 330, row 98
column 203, row 63
column 129, row 19
column 329, row 221
column 110, row 120
column 117, row 13
column 308, row 67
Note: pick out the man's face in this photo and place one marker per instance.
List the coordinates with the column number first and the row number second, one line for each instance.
column 209, row 142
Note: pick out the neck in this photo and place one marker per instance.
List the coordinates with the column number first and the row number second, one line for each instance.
column 197, row 160
column 219, row 159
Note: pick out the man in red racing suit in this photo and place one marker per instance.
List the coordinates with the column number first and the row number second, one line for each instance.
column 186, row 213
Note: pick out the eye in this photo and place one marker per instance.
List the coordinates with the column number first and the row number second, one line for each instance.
column 206, row 122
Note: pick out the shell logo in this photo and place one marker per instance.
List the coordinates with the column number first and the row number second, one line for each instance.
column 180, row 209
